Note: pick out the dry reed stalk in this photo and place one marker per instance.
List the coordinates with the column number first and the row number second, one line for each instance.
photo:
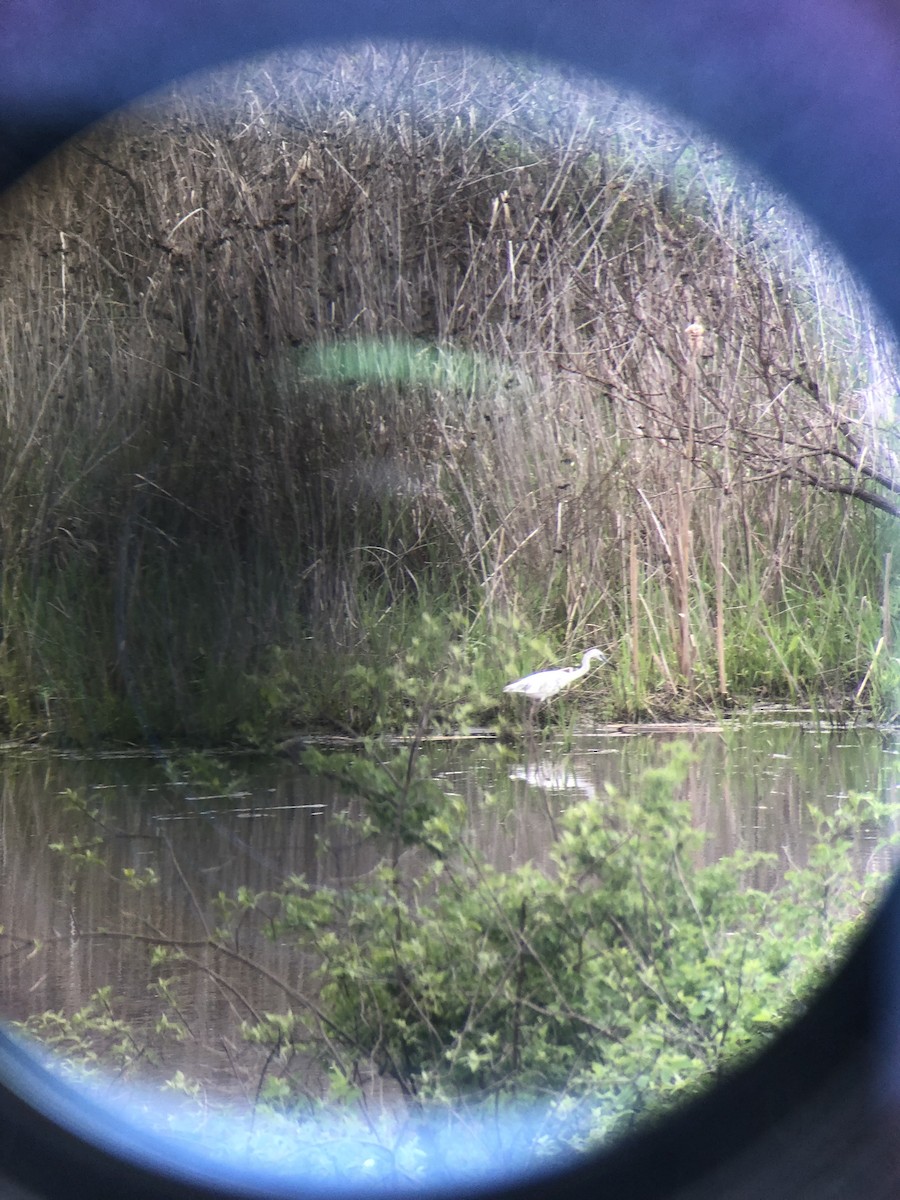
column 880, row 645
column 681, row 584
column 886, row 606
column 719, row 573
column 633, row 598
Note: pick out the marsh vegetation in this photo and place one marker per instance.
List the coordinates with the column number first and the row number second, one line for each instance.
column 362, row 383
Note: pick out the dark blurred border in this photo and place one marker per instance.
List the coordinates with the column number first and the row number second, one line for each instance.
column 809, row 91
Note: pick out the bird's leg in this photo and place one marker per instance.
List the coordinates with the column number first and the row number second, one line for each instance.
column 533, row 706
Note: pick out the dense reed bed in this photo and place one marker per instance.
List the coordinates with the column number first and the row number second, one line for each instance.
column 335, row 389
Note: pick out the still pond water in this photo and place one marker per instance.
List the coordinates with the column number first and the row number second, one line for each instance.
column 68, row 925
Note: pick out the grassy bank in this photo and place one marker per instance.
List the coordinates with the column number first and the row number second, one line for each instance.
column 352, row 386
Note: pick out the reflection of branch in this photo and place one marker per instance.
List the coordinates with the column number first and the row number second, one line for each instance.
column 201, row 915
column 183, row 945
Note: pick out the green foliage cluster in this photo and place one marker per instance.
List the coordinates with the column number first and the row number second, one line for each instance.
column 90, row 1041
column 415, row 664
column 602, row 991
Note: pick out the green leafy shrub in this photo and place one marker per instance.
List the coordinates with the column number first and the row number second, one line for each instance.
column 628, row 976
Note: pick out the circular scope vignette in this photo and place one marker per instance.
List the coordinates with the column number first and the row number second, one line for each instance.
column 834, row 1108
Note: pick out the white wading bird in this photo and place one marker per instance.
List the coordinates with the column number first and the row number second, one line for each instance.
column 544, row 684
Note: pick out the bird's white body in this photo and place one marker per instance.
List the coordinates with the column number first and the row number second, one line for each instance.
column 544, row 684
